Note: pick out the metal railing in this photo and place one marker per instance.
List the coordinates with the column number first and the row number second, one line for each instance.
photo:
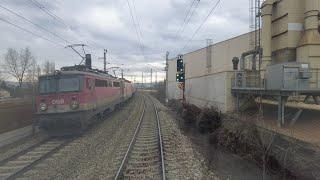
column 315, row 78
column 290, row 81
column 248, row 79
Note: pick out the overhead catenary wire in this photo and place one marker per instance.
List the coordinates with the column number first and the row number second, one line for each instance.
column 135, row 27
column 191, row 15
column 30, row 32
column 35, row 24
column 54, row 16
column 188, row 17
column 48, row 12
column 138, row 21
column 201, row 24
column 60, row 20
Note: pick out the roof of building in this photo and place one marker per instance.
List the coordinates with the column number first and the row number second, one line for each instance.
column 220, row 42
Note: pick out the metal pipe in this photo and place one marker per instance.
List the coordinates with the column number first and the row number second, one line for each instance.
column 245, row 54
column 235, row 62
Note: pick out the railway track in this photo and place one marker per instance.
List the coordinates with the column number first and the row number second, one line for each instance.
column 144, row 158
column 16, row 165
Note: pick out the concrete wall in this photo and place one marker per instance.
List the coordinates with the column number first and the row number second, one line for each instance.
column 209, row 87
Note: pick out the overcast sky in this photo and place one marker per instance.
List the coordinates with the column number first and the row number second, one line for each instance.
column 108, row 24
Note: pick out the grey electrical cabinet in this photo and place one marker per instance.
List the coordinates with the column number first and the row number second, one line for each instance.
column 288, row 76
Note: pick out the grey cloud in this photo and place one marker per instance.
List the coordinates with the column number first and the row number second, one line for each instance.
column 159, row 20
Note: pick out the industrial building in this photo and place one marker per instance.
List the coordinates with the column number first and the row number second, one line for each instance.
column 208, row 73
column 288, row 38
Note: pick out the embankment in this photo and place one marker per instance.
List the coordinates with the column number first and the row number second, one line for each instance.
column 15, row 113
column 273, row 152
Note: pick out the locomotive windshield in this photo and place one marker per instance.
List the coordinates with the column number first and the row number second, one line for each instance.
column 60, row 84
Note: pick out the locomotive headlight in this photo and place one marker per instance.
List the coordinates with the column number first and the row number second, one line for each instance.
column 74, row 105
column 43, row 107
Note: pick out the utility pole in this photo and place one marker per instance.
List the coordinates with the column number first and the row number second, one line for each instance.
column 122, row 84
column 142, row 80
column 105, row 60
column 156, row 78
column 167, row 59
column 151, row 79
column 122, row 74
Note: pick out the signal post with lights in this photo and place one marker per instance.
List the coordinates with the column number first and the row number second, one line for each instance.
column 180, row 77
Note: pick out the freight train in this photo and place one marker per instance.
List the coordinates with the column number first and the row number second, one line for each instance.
column 74, row 97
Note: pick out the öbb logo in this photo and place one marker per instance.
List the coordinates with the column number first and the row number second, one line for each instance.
column 57, row 101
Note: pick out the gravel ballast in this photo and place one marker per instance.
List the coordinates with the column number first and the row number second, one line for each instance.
column 98, row 153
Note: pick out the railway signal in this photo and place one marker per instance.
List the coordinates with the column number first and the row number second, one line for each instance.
column 180, row 70
column 180, row 66
column 180, row 77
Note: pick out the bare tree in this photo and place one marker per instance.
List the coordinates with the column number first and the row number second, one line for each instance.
column 1, row 76
column 48, row 67
column 32, row 73
column 17, row 64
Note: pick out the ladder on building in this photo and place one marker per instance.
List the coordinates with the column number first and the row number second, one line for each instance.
column 255, row 26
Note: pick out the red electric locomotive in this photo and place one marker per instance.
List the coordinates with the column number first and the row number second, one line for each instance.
column 70, row 99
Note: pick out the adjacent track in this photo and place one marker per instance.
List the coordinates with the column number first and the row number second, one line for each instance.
column 18, row 164
column 144, row 158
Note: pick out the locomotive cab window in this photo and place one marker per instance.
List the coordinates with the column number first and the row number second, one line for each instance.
column 116, row 84
column 101, row 83
column 69, row 85
column 52, row 84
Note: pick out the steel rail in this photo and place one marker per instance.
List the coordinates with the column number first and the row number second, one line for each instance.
column 160, row 140
column 22, row 152
column 28, row 167
column 125, row 158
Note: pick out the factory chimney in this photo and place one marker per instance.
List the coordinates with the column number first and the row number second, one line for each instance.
column 309, row 43
column 266, row 41
column 88, row 61
column 311, row 22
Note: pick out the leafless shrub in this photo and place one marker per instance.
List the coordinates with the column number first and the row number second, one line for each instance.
column 209, row 120
column 48, row 67
column 17, row 64
column 33, row 73
column 176, row 105
column 190, row 113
